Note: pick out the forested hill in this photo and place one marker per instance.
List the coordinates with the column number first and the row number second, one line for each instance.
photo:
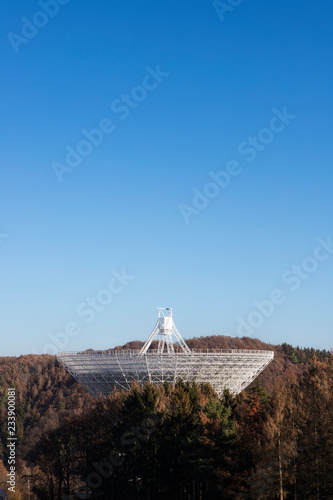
column 45, row 390
column 44, row 387
column 47, row 396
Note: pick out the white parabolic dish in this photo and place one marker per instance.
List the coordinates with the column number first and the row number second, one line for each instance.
column 101, row 372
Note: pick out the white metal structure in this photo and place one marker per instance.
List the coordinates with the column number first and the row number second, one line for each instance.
column 101, row 372
column 164, row 330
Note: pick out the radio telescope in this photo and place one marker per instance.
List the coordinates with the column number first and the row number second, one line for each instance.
column 102, row 371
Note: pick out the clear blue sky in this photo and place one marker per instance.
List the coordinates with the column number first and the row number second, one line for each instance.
column 119, row 207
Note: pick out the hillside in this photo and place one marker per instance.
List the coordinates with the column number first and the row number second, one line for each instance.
column 52, row 408
column 47, row 396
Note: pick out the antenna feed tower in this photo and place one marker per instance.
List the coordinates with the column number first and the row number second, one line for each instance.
column 164, row 331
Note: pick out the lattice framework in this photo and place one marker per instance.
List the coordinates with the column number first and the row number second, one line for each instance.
column 101, row 372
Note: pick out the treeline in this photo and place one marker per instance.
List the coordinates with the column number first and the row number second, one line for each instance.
column 185, row 443
column 304, row 355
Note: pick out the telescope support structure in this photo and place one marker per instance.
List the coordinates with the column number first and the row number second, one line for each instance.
column 164, row 331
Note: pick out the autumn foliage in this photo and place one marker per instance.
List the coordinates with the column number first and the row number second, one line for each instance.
column 273, row 441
